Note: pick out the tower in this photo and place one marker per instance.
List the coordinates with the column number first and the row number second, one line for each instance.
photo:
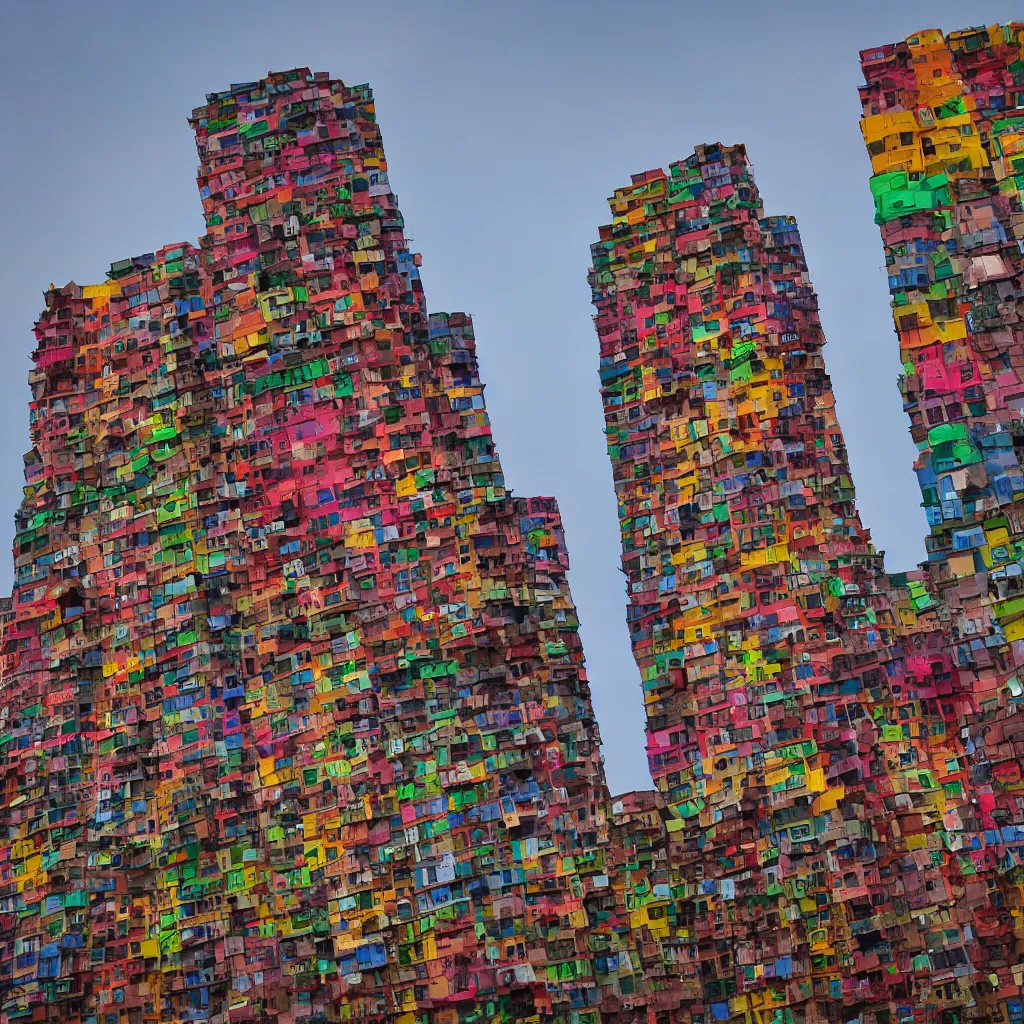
column 783, row 670
column 942, row 128
column 298, row 727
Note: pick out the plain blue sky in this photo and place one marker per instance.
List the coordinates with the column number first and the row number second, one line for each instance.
column 506, row 127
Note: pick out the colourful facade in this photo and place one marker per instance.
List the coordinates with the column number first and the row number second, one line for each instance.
column 835, row 748
column 943, row 128
column 804, row 708
column 296, row 724
column 740, row 547
column 294, row 720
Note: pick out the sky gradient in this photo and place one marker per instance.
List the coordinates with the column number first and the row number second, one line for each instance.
column 506, row 127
